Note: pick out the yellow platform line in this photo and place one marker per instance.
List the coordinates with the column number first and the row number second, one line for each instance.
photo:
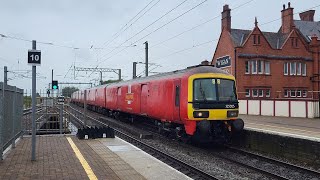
column 83, row 161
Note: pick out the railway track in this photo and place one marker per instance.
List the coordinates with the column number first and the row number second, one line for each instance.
column 181, row 166
column 273, row 161
column 265, row 171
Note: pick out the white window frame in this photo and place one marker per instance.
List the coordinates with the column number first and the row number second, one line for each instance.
column 298, row 92
column 268, row 92
column 293, row 91
column 249, row 67
column 299, row 68
column 304, row 69
column 260, row 91
column 261, row 64
column 267, row 70
column 286, row 93
column 285, row 68
column 254, row 64
column 247, row 90
column 304, row 93
column 293, row 68
column 253, row 94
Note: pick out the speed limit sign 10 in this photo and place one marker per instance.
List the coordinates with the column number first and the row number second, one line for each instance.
column 34, row 57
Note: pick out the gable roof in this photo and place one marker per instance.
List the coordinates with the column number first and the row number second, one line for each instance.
column 238, row 36
column 276, row 40
column 308, row 28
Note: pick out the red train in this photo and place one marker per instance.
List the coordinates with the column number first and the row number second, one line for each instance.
column 199, row 102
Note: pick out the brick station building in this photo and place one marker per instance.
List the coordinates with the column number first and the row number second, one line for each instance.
column 275, row 66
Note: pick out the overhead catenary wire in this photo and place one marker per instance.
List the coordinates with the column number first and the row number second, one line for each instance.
column 199, row 25
column 158, row 28
column 170, row 21
column 180, row 51
column 289, row 14
column 125, row 27
column 168, row 12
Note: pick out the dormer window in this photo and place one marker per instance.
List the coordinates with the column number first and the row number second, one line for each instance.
column 256, row 39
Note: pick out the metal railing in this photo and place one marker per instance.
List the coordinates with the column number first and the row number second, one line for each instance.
column 11, row 112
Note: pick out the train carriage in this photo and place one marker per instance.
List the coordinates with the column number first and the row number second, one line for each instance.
column 199, row 102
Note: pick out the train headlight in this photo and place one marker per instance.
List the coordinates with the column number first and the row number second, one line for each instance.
column 201, row 114
column 232, row 113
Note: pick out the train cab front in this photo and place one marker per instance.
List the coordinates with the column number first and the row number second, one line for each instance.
column 213, row 108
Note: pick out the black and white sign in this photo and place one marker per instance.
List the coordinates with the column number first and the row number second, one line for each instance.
column 34, row 57
column 223, row 62
column 61, row 99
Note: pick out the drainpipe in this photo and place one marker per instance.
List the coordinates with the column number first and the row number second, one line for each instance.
column 235, row 63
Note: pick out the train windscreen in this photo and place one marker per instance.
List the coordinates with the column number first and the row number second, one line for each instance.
column 214, row 90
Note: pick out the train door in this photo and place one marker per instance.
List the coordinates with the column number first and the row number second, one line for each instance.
column 144, row 99
column 176, row 104
column 118, row 98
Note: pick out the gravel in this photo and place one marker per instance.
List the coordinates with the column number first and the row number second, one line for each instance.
column 208, row 159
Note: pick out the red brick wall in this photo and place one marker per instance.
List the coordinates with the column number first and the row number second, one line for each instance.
column 225, row 47
column 276, row 80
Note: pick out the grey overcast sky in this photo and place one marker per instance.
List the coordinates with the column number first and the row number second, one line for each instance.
column 89, row 26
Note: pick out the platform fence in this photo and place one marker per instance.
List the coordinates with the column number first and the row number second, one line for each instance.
column 11, row 112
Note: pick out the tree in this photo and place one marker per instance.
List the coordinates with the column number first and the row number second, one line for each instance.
column 110, row 81
column 67, row 91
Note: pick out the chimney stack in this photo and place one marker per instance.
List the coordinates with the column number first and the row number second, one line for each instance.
column 307, row 15
column 226, row 18
column 287, row 19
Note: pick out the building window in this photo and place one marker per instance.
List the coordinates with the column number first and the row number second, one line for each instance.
column 294, row 42
column 247, row 92
column 293, row 68
column 256, row 39
column 268, row 93
column 260, row 91
column 260, row 67
column 304, row 93
column 248, row 67
column 267, row 67
column 298, row 68
column 292, row 93
column 254, row 67
column 285, row 68
column 304, row 69
column 286, row 93
column 298, row 93
column 255, row 93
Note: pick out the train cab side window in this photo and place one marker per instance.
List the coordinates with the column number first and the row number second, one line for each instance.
column 177, row 99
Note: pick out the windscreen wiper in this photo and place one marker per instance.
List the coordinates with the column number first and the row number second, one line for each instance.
column 202, row 92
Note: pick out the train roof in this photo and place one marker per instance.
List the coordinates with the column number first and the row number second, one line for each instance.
column 189, row 70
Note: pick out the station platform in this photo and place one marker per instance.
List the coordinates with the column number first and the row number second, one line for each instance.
column 67, row 157
column 304, row 128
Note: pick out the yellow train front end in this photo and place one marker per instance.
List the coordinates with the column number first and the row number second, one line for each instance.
column 213, row 104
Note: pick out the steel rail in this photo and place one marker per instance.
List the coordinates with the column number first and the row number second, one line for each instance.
column 179, row 165
column 275, row 161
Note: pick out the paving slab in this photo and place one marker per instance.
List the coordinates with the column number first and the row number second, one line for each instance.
column 305, row 128
column 143, row 163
